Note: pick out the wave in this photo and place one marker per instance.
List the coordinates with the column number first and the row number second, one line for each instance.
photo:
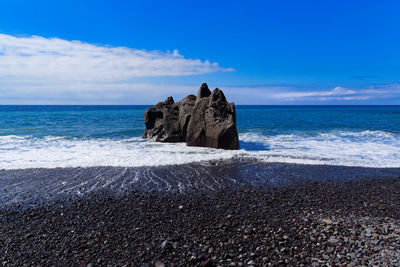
column 364, row 149
column 344, row 148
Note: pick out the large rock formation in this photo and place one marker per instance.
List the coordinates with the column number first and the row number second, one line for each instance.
column 213, row 123
column 162, row 122
column 207, row 120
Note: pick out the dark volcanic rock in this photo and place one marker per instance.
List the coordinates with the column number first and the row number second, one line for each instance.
column 213, row 123
column 206, row 121
column 196, row 135
column 203, row 91
column 186, row 107
column 162, row 122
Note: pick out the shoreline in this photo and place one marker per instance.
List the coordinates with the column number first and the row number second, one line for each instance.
column 312, row 223
column 32, row 187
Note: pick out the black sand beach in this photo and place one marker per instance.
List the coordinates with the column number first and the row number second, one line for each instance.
column 30, row 187
column 303, row 223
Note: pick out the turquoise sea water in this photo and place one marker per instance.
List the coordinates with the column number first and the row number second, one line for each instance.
column 72, row 136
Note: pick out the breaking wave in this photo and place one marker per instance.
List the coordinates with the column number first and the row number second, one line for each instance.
column 344, row 148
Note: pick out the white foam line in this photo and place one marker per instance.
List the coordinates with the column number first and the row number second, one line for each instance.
column 367, row 149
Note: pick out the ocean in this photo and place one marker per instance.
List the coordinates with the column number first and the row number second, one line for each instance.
column 89, row 136
column 81, row 149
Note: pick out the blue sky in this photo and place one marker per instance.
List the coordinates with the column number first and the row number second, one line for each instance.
column 258, row 52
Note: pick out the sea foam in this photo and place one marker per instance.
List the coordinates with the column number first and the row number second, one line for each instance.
column 344, row 148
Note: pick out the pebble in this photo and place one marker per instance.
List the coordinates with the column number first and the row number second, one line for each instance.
column 327, row 221
column 159, row 264
column 164, row 244
column 368, row 232
column 147, row 229
column 248, row 230
column 377, row 248
column 333, row 240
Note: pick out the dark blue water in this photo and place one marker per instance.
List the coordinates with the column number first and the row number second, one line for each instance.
column 272, row 120
column 127, row 121
column 72, row 121
column 61, row 136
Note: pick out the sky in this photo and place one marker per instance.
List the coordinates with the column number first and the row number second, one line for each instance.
column 258, row 52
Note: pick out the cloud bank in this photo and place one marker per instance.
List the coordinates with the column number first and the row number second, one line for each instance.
column 37, row 58
column 377, row 94
column 38, row 70
column 344, row 94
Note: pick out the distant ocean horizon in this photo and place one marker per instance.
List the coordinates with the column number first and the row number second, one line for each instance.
column 51, row 136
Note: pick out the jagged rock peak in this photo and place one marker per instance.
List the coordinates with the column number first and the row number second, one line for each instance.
column 203, row 91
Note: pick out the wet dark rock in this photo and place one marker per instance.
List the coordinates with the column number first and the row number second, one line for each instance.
column 207, row 120
column 162, row 122
column 213, row 123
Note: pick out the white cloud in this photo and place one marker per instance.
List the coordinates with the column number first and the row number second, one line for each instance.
column 296, row 95
column 38, row 70
column 342, row 94
column 37, row 58
column 337, row 91
column 89, row 93
column 147, row 93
